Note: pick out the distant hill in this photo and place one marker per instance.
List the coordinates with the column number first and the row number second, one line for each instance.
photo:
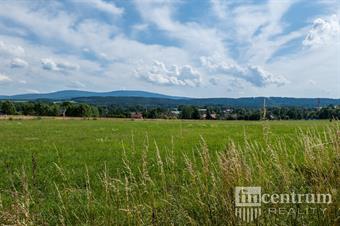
column 251, row 102
column 135, row 97
column 70, row 94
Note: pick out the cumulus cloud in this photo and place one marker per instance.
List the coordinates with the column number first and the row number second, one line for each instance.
column 18, row 63
column 161, row 74
column 324, row 31
column 51, row 65
column 255, row 75
column 259, row 77
column 4, row 78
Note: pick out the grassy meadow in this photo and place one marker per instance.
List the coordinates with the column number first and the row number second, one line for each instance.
column 161, row 172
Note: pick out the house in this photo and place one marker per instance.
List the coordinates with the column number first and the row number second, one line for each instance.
column 228, row 110
column 203, row 113
column 226, row 114
column 213, row 116
column 174, row 114
column 136, row 115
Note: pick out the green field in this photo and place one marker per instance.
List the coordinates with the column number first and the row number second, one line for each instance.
column 124, row 172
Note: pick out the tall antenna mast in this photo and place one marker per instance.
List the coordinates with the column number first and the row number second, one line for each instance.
column 264, row 109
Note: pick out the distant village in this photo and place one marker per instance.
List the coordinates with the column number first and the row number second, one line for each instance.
column 176, row 114
column 74, row 109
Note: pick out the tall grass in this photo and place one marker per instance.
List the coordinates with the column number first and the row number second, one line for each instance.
column 160, row 187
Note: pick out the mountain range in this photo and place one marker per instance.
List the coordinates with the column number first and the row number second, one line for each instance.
column 135, row 97
column 70, row 94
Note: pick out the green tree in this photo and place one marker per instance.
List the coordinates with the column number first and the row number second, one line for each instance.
column 195, row 113
column 94, row 111
column 186, row 112
column 54, row 110
column 83, row 110
column 8, row 108
column 41, row 109
column 28, row 109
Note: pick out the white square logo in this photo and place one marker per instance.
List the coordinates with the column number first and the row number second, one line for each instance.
column 247, row 196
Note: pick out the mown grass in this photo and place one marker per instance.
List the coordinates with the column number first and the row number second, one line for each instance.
column 122, row 172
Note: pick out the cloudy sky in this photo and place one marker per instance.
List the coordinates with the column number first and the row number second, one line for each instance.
column 197, row 48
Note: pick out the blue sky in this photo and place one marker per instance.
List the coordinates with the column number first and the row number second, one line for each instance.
column 197, row 48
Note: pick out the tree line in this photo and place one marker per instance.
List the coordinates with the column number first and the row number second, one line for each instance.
column 72, row 109
column 48, row 109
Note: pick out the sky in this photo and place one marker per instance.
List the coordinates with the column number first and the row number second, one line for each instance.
column 194, row 48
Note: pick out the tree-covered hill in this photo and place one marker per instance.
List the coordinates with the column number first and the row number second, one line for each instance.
column 251, row 102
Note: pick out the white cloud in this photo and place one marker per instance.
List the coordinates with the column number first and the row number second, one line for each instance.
column 193, row 36
column 76, row 84
column 259, row 77
column 108, row 7
column 32, row 91
column 51, row 65
column 140, row 27
column 58, row 28
column 257, row 30
column 66, row 66
column 18, row 63
column 13, row 50
column 161, row 74
column 236, row 86
column 255, row 75
column 214, row 81
column 219, row 8
column 4, row 78
column 324, row 31
column 313, row 72
column 93, row 39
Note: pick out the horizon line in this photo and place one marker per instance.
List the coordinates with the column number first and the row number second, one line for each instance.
column 168, row 95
